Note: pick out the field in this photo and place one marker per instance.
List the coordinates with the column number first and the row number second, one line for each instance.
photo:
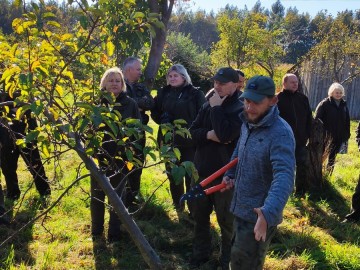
column 311, row 236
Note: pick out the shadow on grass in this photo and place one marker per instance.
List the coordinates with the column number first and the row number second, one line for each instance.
column 331, row 220
column 322, row 209
column 286, row 243
column 170, row 236
column 16, row 251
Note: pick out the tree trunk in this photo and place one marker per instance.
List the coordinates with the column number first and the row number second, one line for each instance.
column 147, row 252
column 157, row 48
column 164, row 9
column 316, row 151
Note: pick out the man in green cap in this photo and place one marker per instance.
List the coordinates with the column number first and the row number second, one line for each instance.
column 264, row 176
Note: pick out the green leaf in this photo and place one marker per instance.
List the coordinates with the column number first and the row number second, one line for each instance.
column 84, row 105
column 83, row 124
column 53, row 23
column 37, row 107
column 42, row 70
column 48, row 15
column 138, row 15
column 177, row 153
column 84, row 22
column 178, row 173
column 90, row 151
column 129, row 155
column 32, row 136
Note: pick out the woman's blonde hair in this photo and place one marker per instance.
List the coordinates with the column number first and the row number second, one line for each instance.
column 113, row 70
column 178, row 68
column 336, row 86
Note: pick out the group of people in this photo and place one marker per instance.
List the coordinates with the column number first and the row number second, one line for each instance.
column 265, row 132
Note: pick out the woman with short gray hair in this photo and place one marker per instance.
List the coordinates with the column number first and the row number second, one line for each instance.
column 334, row 114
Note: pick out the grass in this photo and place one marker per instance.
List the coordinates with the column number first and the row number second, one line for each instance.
column 310, row 237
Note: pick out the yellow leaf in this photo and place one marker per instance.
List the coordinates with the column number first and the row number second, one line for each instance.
column 45, row 150
column 59, row 90
column 129, row 165
column 110, row 48
column 19, row 113
column 104, row 59
column 54, row 113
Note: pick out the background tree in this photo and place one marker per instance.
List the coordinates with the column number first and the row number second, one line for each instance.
column 163, row 9
column 181, row 49
column 338, row 47
column 297, row 39
column 200, row 25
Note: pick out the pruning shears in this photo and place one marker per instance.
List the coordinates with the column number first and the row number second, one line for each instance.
column 198, row 190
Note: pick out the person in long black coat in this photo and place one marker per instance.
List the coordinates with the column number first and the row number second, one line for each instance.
column 334, row 114
column 179, row 99
column 113, row 82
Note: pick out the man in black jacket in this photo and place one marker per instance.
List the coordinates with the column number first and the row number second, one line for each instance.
column 295, row 109
column 354, row 216
column 215, row 132
column 132, row 72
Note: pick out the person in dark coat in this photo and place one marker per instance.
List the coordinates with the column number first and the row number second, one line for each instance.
column 179, row 99
column 137, row 91
column 294, row 108
column 354, row 216
column 113, row 82
column 334, row 114
column 10, row 132
column 215, row 132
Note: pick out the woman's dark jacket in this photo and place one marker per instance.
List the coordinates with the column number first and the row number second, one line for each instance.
column 225, row 121
column 128, row 108
column 178, row 103
column 336, row 119
column 295, row 109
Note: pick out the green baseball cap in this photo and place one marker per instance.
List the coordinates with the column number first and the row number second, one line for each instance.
column 259, row 87
column 226, row 74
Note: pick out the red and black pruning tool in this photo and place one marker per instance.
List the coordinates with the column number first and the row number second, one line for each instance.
column 198, row 190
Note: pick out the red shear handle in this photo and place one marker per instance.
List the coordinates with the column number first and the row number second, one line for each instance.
column 213, row 189
column 218, row 173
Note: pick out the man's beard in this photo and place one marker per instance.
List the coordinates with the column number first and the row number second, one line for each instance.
column 258, row 119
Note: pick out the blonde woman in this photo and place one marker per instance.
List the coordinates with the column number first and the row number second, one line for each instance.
column 334, row 114
column 113, row 82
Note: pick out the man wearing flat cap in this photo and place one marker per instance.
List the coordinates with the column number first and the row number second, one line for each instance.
column 264, row 176
column 215, row 132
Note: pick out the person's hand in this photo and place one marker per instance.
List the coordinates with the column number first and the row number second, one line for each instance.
column 216, row 100
column 211, row 135
column 260, row 226
column 229, row 182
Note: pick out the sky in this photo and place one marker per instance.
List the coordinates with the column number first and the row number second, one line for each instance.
column 303, row 6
